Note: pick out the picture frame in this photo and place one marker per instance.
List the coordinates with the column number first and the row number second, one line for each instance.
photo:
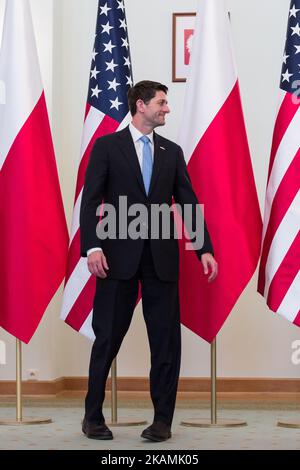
column 183, row 28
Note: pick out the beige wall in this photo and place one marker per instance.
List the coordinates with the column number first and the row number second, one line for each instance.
column 253, row 342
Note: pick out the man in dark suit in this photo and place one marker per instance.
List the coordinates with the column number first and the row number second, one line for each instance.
column 148, row 170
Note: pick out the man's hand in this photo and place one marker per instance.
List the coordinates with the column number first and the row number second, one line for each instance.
column 97, row 264
column 209, row 264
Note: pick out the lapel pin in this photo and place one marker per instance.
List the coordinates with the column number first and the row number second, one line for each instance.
column 163, row 148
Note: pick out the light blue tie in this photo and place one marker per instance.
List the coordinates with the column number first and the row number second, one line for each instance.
column 147, row 163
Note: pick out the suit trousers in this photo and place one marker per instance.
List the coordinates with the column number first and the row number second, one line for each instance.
column 114, row 305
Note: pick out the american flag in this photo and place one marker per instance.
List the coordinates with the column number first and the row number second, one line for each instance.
column 279, row 276
column 106, row 112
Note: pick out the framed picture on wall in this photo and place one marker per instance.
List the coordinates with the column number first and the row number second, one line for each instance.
column 183, row 30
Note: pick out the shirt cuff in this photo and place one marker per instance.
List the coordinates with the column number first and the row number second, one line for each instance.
column 92, row 250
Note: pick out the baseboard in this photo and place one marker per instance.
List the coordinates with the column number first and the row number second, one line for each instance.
column 141, row 384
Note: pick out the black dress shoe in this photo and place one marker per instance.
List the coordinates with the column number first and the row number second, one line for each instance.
column 157, row 432
column 96, row 431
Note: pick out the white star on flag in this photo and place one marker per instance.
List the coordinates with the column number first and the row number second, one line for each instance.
column 108, row 47
column 115, row 104
column 96, row 91
column 104, row 10
column 297, row 49
column 111, row 65
column 121, row 5
column 94, row 73
column 94, row 53
column 285, row 57
column 129, row 81
column 106, row 28
column 113, row 85
column 296, row 29
column 294, row 11
column 125, row 43
column 286, row 76
column 123, row 24
column 127, row 61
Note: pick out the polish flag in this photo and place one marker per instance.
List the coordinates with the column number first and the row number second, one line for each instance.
column 33, row 234
column 214, row 141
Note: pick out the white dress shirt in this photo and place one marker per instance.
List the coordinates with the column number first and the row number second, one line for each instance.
column 136, row 135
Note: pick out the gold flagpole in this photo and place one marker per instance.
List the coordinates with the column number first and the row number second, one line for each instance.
column 213, row 389
column 214, row 422
column 115, row 421
column 19, row 414
column 114, row 404
column 19, row 380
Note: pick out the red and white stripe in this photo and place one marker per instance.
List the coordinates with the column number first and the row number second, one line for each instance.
column 214, row 141
column 33, row 235
column 279, row 276
column 79, row 290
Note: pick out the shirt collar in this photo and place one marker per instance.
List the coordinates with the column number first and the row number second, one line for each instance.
column 136, row 134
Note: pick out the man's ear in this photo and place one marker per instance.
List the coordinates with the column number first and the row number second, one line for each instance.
column 140, row 106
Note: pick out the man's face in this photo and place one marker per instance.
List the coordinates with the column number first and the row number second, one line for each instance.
column 154, row 112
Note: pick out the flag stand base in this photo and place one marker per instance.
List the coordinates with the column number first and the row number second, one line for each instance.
column 126, row 422
column 20, row 420
column 206, row 423
column 25, row 421
column 213, row 422
column 289, row 424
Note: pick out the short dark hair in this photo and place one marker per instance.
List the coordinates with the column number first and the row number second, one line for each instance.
column 145, row 91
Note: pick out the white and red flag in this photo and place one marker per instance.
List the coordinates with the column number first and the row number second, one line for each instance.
column 33, row 234
column 279, row 274
column 215, row 145
column 106, row 112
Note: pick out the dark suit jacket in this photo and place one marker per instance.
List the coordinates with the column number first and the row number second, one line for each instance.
column 114, row 171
